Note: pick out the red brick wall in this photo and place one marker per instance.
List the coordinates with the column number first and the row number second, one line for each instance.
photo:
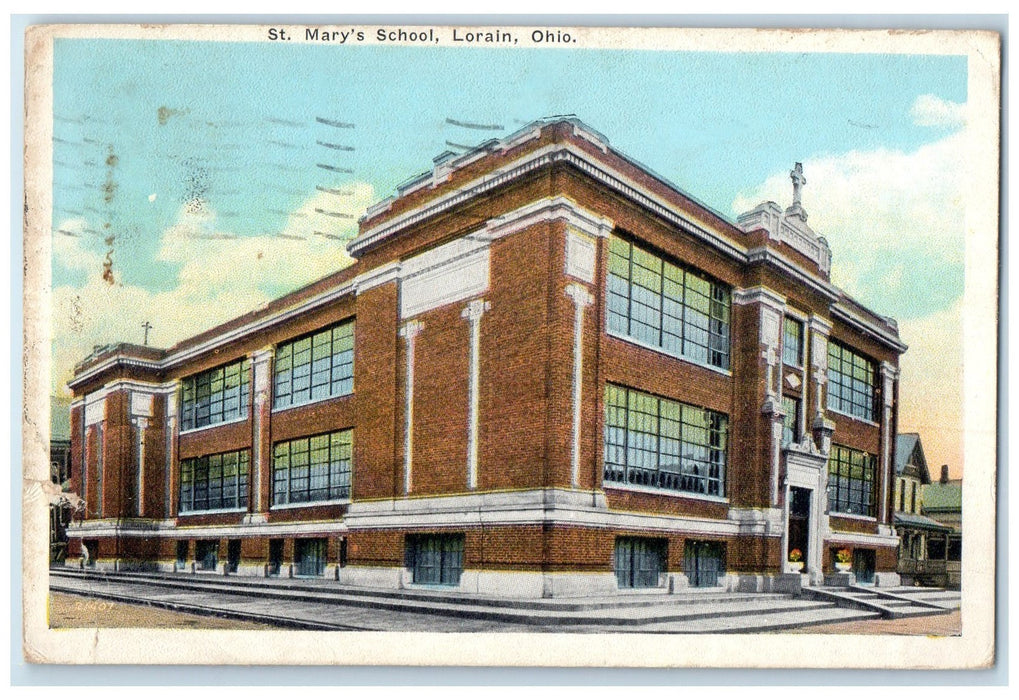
column 375, row 351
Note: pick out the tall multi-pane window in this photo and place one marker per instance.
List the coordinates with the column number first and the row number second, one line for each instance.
column 792, row 342
column 850, row 382
column 851, row 481
column 666, row 306
column 650, row 441
column 215, row 396
column 317, row 366
column 312, row 469
column 214, row 482
column 791, row 420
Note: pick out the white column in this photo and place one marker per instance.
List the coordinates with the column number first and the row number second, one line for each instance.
column 409, row 332
column 581, row 299
column 141, row 424
column 171, row 430
column 473, row 313
column 888, row 376
column 261, row 393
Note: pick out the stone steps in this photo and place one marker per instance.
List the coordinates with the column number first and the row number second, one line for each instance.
column 510, row 611
column 314, row 586
column 890, row 603
column 321, row 608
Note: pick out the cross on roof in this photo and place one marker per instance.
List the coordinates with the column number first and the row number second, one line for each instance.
column 796, row 175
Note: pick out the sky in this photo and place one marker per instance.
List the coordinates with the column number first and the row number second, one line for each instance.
column 194, row 181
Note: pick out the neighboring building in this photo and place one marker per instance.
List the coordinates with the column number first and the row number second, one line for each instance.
column 549, row 372
column 943, row 502
column 923, row 541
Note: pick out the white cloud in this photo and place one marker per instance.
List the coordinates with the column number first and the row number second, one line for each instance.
column 220, row 276
column 882, row 209
column 931, row 110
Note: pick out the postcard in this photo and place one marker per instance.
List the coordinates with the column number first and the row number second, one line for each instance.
column 506, row 345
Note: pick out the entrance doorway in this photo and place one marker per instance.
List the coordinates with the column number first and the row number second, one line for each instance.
column 799, row 521
column 275, row 557
column 233, row 555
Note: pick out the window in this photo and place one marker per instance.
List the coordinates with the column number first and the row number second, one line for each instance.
column 902, row 495
column 639, row 561
column 207, row 554
column 315, row 367
column 214, row 482
column 312, row 469
column 665, row 306
column 436, row 559
column 703, row 563
column 216, row 396
column 915, row 507
column 310, row 556
column 792, row 343
column 850, row 382
column 851, row 481
column 663, row 444
column 791, row 420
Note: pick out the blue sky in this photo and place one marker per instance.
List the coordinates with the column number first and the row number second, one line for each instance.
column 215, row 153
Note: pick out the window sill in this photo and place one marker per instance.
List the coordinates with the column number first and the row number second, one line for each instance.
column 213, row 511
column 615, row 485
column 852, row 516
column 310, row 402
column 858, row 419
column 310, row 504
column 189, row 431
column 660, row 351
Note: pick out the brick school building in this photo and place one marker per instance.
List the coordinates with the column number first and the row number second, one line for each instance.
column 549, row 372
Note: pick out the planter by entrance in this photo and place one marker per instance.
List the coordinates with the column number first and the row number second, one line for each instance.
column 843, row 566
column 794, row 567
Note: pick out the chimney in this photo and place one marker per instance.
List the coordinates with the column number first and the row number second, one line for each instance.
column 944, row 473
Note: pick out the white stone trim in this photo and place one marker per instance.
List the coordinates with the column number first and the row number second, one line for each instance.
column 141, row 403
column 808, row 471
column 532, row 507
column 581, row 256
column 109, row 528
column 95, row 410
column 888, row 375
column 232, row 421
column 759, row 295
column 589, row 135
column 262, row 390
column 141, row 423
column 581, row 300
column 309, row 504
column 845, row 315
column 409, row 332
column 661, row 351
column 547, row 209
column 452, row 272
column 863, row 539
column 472, row 313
